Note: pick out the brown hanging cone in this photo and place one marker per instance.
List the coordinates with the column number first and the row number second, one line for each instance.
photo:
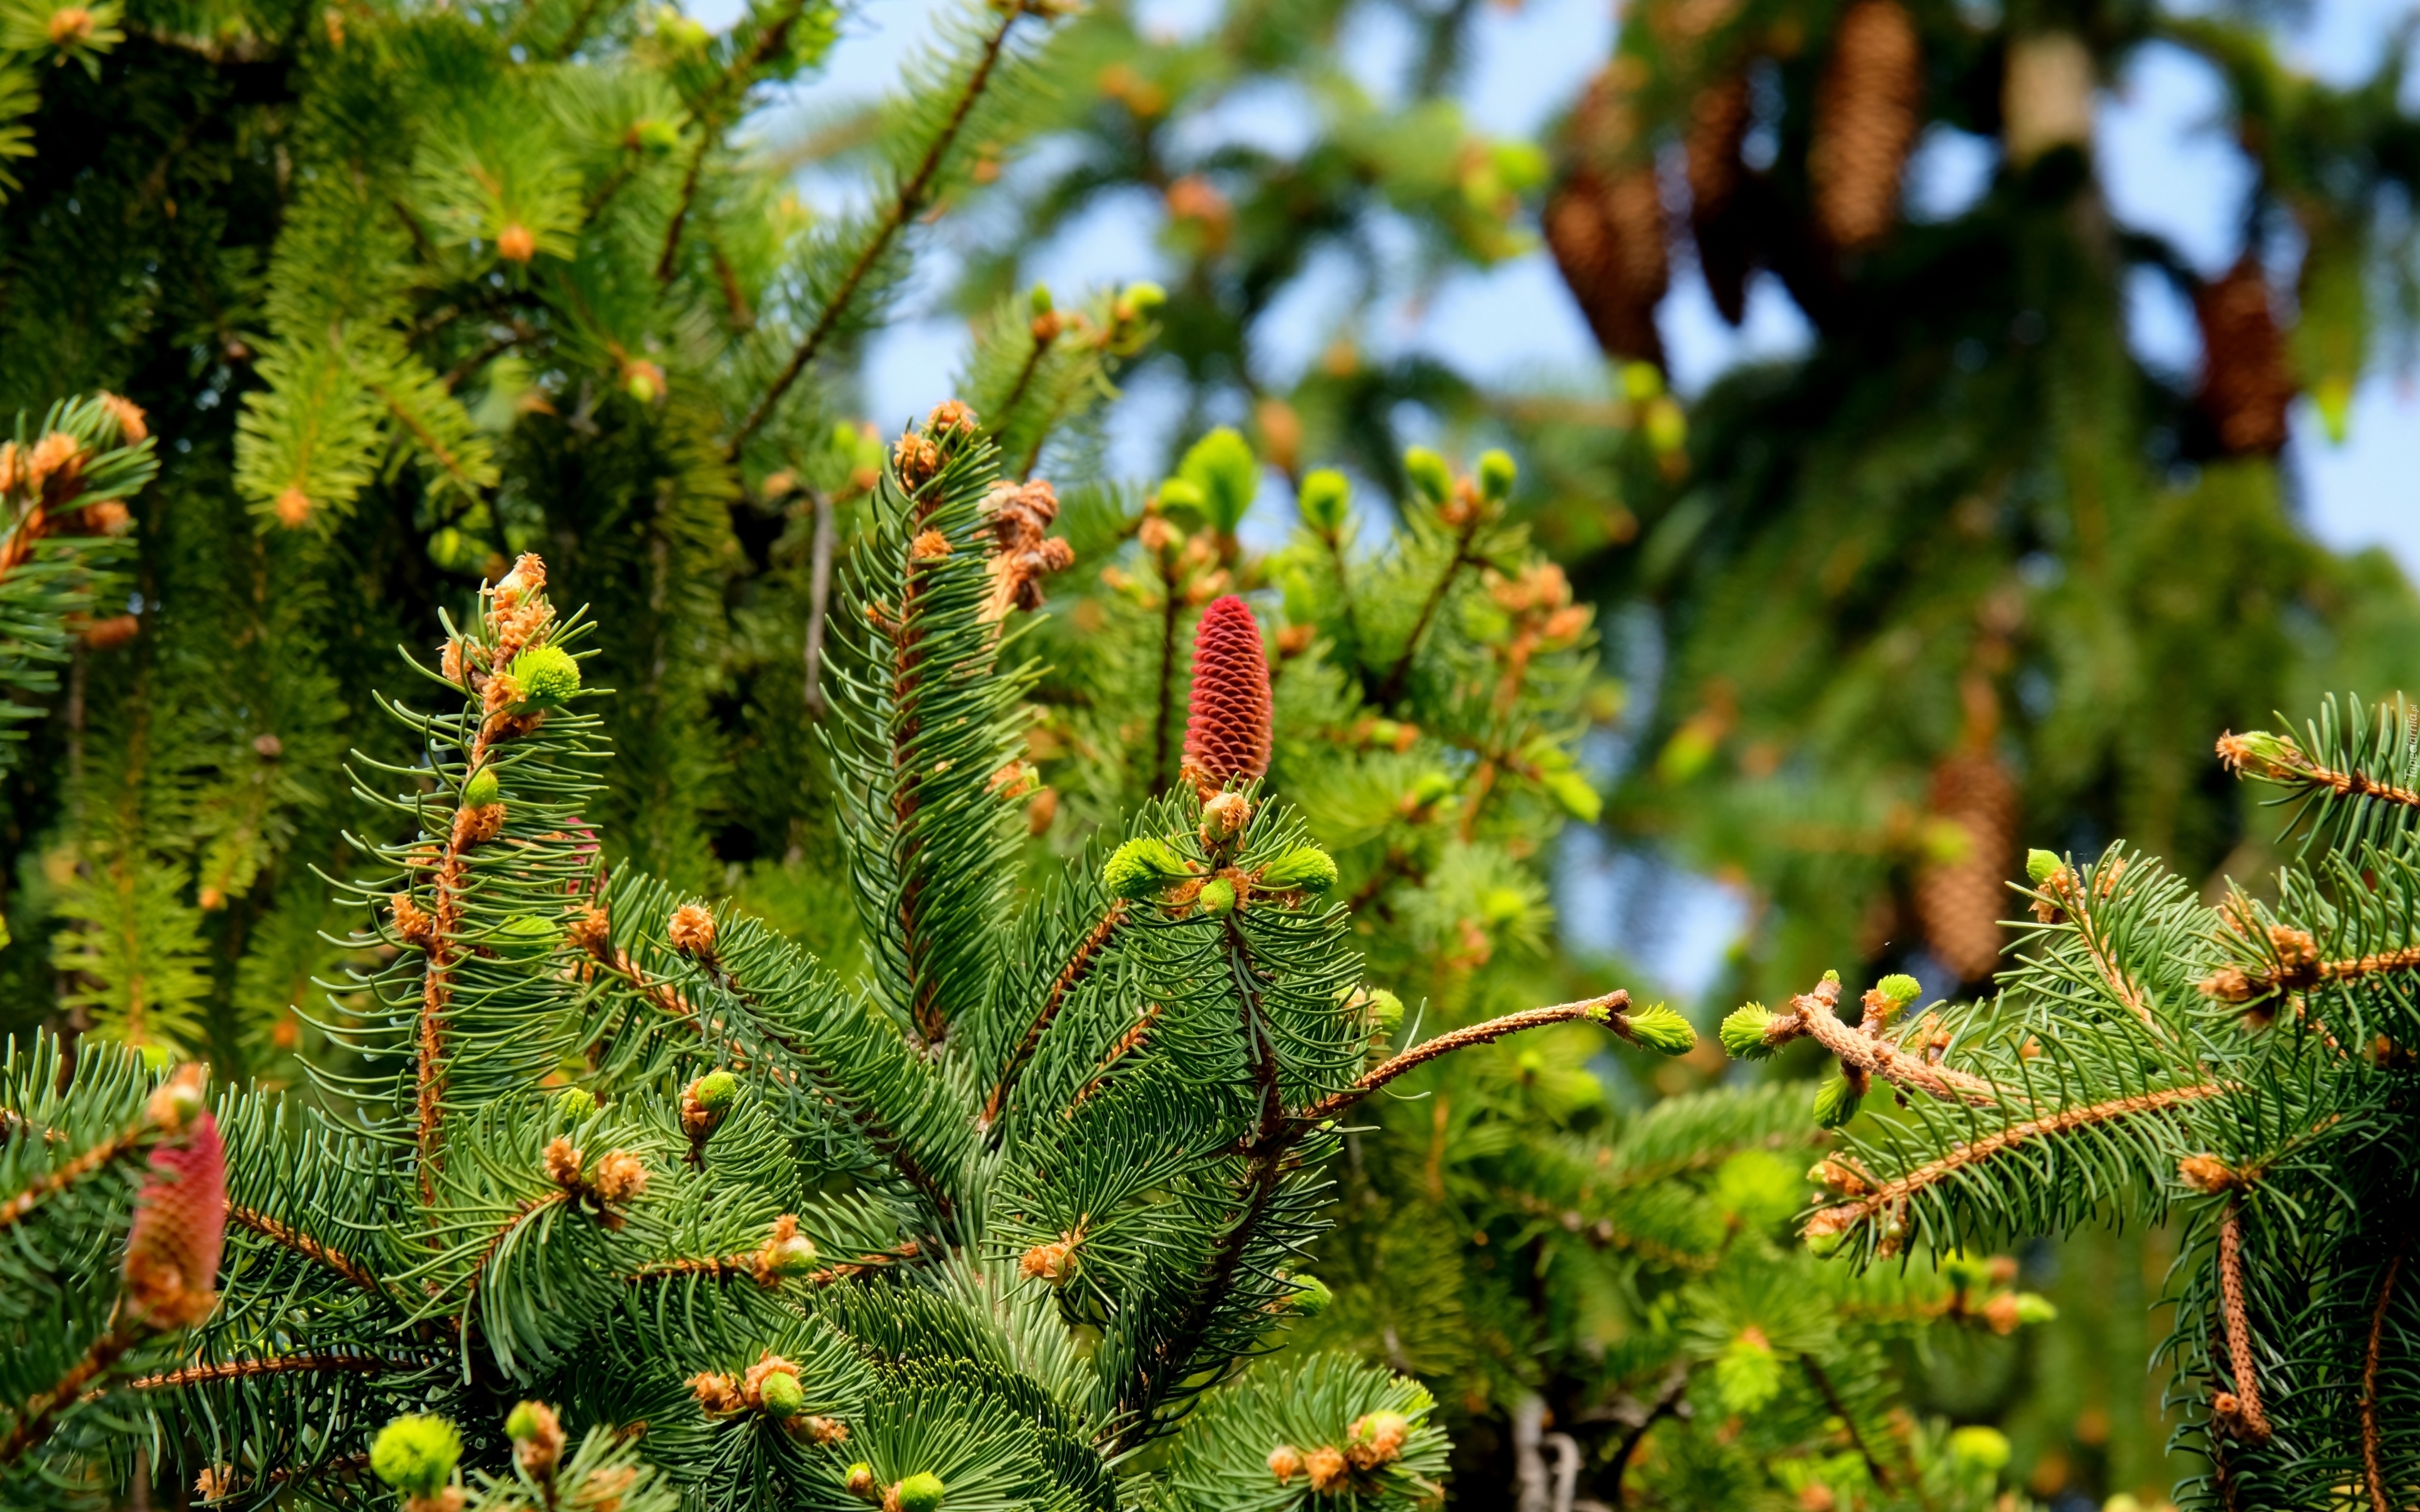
column 1960, row 901
column 1718, row 122
column 2246, row 381
column 1605, row 224
column 1866, row 121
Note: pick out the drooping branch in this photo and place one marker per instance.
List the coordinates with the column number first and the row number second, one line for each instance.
column 1838, row 1219
column 1604, row 1009
column 911, row 200
column 2244, row 1406
column 1080, row 966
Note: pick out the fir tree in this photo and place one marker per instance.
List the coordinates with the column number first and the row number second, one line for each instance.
column 2238, row 1069
column 973, row 1230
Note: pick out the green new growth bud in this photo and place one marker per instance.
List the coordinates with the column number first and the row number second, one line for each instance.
column 1326, row 498
column 2041, row 865
column 1642, row 380
column 1221, row 465
column 1430, row 787
column 1386, row 1010
column 653, row 135
column 1040, row 298
column 522, row 1422
column 1965, row 1271
column 1836, row 1102
column 1575, row 795
column 1495, row 475
column 1743, row 1032
column 1140, row 866
column 483, row 789
column 782, row 1395
column 862, row 1484
column 1305, row 868
column 575, row 1102
column 920, row 1492
column 1668, row 426
column 1660, row 1029
column 525, row 937
column 716, row 1090
column 1899, row 989
column 1429, row 474
column 547, row 676
column 1141, row 298
column 416, row 1454
column 793, row 1256
column 1979, row 1447
column 1311, row 1295
column 1217, row 896
column 1182, row 498
column 2033, row 1307
column 1832, row 977
column 1825, row 1246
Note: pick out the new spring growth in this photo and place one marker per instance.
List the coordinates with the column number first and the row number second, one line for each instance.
column 575, row 1102
column 1429, row 474
column 547, row 676
column 1326, row 498
column 1744, row 1032
column 537, row 1439
column 705, row 1102
column 1137, row 301
column 1836, row 1102
column 1385, row 1009
column 1142, row 867
column 416, row 1455
column 1657, row 1028
column 1495, row 475
column 1305, row 868
column 2259, row 753
column 920, row 1492
column 2041, row 865
column 1217, row 897
column 782, row 1395
column 861, row 1484
column 1310, row 1296
column 786, row 1251
column 482, row 789
column 525, row 937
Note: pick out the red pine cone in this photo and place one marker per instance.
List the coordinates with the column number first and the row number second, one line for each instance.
column 1227, row 722
column 2246, row 382
column 172, row 1252
column 1960, row 903
column 1866, row 121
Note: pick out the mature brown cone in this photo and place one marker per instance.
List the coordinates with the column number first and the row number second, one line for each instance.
column 1605, row 224
column 2246, row 381
column 1960, row 901
column 1227, row 721
column 1718, row 122
column 1867, row 113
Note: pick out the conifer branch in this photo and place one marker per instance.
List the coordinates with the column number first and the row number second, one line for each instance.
column 752, row 1265
column 708, row 112
column 1391, row 690
column 1874, row 1467
column 2370, row 1460
column 2245, row 1409
column 304, row 1246
column 1080, row 966
column 1601, row 1009
column 905, row 205
column 2067, row 890
column 2283, row 761
column 34, row 1419
column 1813, row 1014
column 203, row 1375
column 1845, row 1215
column 132, row 1140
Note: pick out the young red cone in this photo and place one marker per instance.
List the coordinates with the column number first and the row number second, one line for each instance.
column 172, row 1251
column 1226, row 727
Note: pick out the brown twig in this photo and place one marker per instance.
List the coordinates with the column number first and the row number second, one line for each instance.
column 2370, row 1460
column 2248, row 1415
column 905, row 206
column 1602, row 1008
column 1881, row 1474
column 304, row 1246
column 34, row 1419
column 202, row 1374
column 1080, row 966
column 100, row 1157
column 1813, row 1014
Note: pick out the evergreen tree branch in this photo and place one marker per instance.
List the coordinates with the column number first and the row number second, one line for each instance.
column 708, row 114
column 2283, row 761
column 202, row 1374
column 1668, row 1403
column 1813, row 1014
column 905, row 205
column 35, row 1420
column 2069, row 892
column 1390, row 691
column 1605, row 1010
column 1875, row 1468
column 2241, row 1367
column 304, row 1246
column 819, row 581
column 1839, row 1218
column 2370, row 1461
column 1080, row 966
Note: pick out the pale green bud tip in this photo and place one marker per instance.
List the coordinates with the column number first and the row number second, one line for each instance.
column 1140, row 866
column 1832, row 977
column 716, row 1090
column 1311, row 1295
column 1983, row 1448
column 1496, row 474
column 416, row 1455
column 1385, row 1009
column 793, row 1256
column 1826, row 1244
column 575, row 1102
column 525, row 937
column 1660, row 1029
column 2033, row 1307
column 522, row 1423
column 1042, row 299
column 546, row 674
column 1743, row 1032
column 1140, row 297
column 482, row 789
column 1835, row 1102
column 920, row 1492
column 1429, row 474
column 1642, row 380
column 1899, row 988
column 1307, row 869
column 2041, row 865
column 1324, row 500
column 782, row 1395
column 1217, row 896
